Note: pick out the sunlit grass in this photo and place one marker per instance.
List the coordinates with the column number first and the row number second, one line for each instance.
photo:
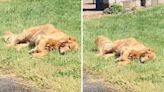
column 54, row 72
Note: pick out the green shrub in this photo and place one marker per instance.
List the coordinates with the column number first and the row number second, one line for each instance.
column 114, row 9
column 107, row 11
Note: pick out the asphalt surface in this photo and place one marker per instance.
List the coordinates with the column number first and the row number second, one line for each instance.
column 97, row 86
column 11, row 85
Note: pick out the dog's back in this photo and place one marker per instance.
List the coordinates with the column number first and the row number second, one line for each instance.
column 46, row 29
column 124, row 42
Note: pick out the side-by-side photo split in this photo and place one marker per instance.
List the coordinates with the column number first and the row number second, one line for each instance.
column 40, row 46
column 81, row 45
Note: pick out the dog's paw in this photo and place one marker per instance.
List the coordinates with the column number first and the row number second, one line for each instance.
column 31, row 51
column 118, row 59
column 39, row 54
column 36, row 55
column 123, row 62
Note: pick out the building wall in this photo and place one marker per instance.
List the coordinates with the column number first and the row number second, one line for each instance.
column 121, row 1
column 154, row 2
column 148, row 3
column 111, row 1
column 138, row 3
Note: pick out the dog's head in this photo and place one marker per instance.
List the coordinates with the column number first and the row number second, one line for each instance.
column 9, row 37
column 67, row 45
column 147, row 54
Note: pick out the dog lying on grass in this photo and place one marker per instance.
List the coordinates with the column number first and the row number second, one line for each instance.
column 44, row 38
column 126, row 50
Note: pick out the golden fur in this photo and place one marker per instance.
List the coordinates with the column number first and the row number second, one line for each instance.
column 64, row 45
column 129, row 49
column 43, row 37
column 103, row 45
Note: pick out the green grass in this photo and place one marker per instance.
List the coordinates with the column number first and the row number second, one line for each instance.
column 148, row 27
column 54, row 72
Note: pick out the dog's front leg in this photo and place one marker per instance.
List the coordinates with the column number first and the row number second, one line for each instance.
column 40, row 53
column 123, row 59
column 39, row 50
column 34, row 50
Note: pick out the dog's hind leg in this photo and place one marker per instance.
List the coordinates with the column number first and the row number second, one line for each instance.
column 99, row 52
column 22, row 45
column 106, row 56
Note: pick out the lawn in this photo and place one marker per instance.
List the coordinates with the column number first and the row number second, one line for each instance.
column 148, row 27
column 54, row 72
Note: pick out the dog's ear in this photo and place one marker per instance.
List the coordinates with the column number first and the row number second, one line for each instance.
column 143, row 52
column 146, row 51
column 74, row 42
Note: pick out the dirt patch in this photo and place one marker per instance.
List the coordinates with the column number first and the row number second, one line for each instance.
column 10, row 82
column 11, row 85
column 95, row 85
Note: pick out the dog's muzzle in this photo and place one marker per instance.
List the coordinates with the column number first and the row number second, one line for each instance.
column 142, row 60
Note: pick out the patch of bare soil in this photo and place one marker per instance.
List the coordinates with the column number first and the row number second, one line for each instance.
column 9, row 82
column 95, row 85
column 11, row 85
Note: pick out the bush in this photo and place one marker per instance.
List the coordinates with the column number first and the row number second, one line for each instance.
column 107, row 11
column 114, row 9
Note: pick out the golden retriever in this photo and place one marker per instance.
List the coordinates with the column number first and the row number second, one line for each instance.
column 129, row 49
column 43, row 37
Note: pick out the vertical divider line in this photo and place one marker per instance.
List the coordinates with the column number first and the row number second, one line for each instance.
column 82, row 34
